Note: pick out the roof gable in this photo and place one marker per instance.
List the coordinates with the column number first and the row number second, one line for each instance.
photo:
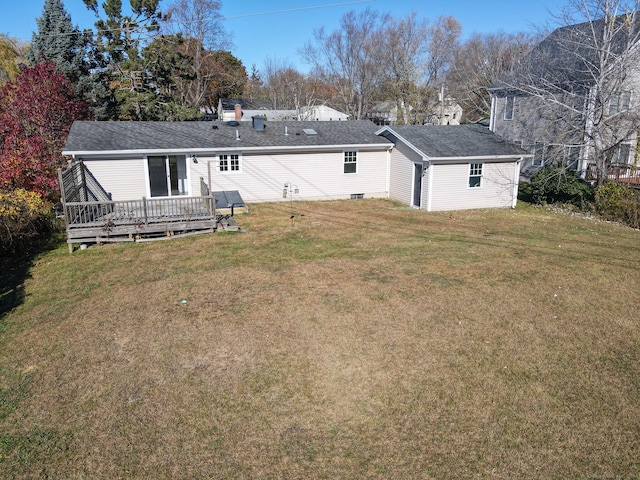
column 453, row 141
column 568, row 56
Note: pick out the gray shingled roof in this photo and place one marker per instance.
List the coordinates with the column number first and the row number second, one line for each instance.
column 87, row 136
column 452, row 141
column 568, row 56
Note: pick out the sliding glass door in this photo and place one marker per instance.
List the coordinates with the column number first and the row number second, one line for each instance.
column 168, row 175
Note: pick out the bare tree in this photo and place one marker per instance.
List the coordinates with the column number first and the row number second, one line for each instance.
column 481, row 61
column 578, row 81
column 402, row 53
column 287, row 88
column 345, row 59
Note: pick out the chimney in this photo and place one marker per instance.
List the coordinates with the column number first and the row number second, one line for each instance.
column 238, row 111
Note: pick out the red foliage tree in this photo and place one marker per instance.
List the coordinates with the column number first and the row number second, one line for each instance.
column 36, row 113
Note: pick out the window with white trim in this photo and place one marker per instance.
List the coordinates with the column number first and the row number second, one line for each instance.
column 508, row 109
column 539, row 154
column 621, row 154
column 350, row 162
column 619, row 102
column 475, row 175
column 572, row 156
column 228, row 162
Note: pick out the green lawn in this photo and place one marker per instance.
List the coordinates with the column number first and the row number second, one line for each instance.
column 359, row 340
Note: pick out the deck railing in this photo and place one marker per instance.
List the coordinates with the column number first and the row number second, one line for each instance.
column 625, row 174
column 138, row 212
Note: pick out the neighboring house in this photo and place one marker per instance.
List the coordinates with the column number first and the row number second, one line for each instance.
column 437, row 167
column 550, row 104
column 447, row 112
column 384, row 113
column 245, row 109
column 240, row 109
column 429, row 167
column 321, row 113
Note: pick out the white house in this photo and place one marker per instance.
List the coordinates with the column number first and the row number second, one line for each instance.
column 428, row 167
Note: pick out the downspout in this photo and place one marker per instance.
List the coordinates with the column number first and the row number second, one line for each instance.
column 516, row 182
column 492, row 114
column 388, row 179
column 429, row 167
column 211, row 194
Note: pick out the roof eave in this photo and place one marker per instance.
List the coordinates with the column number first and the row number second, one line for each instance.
column 145, row 151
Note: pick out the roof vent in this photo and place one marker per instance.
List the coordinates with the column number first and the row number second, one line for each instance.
column 233, row 123
column 258, row 122
column 214, row 127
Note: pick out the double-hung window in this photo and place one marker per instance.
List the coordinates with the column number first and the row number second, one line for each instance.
column 539, row 154
column 475, row 175
column 509, row 106
column 621, row 154
column 619, row 102
column 228, row 162
column 350, row 162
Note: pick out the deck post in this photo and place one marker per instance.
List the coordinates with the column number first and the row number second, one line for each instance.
column 144, row 206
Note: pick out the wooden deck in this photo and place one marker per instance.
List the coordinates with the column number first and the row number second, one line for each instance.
column 92, row 217
column 114, row 221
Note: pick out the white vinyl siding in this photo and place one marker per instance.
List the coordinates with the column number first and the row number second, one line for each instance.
column 316, row 175
column 124, row 179
column 450, row 190
column 401, row 174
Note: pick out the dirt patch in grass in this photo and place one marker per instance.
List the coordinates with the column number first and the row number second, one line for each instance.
column 362, row 340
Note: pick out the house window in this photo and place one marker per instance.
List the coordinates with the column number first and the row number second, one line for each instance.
column 619, row 102
column 539, row 153
column 228, row 163
column 350, row 162
column 621, row 155
column 572, row 156
column 508, row 109
column 475, row 175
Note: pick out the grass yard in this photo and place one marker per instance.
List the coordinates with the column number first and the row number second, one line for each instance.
column 363, row 340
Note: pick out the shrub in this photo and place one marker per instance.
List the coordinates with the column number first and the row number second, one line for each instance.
column 25, row 218
column 559, row 185
column 618, row 202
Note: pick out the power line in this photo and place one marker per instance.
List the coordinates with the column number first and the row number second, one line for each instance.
column 274, row 12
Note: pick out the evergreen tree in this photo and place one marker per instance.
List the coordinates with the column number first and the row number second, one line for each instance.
column 127, row 81
column 57, row 40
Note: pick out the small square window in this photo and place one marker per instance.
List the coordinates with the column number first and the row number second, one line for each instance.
column 229, row 163
column 475, row 175
column 350, row 162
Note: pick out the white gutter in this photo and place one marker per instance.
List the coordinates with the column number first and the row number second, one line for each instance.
column 479, row 157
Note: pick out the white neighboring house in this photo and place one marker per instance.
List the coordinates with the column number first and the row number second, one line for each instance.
column 321, row 113
column 428, row 167
column 243, row 110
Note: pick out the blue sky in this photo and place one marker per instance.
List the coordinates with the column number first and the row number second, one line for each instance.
column 277, row 29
